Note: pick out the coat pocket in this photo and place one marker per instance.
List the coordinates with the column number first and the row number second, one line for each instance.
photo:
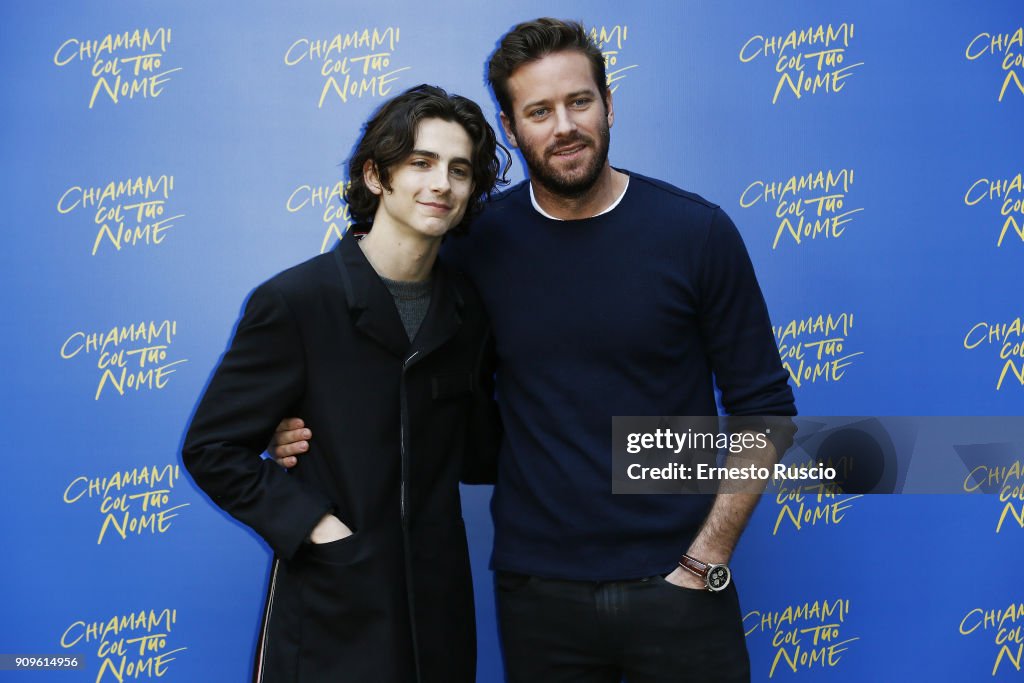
column 353, row 610
column 341, row 551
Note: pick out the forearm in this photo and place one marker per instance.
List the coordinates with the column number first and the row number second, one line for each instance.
column 256, row 492
column 723, row 526
column 733, row 506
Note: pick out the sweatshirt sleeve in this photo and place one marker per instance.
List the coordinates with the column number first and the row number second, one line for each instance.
column 737, row 333
column 259, row 380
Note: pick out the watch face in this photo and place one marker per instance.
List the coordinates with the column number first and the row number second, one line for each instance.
column 718, row 577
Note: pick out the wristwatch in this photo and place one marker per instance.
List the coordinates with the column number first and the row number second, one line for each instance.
column 716, row 576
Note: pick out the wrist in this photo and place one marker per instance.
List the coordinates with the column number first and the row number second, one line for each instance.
column 709, row 553
column 714, row 575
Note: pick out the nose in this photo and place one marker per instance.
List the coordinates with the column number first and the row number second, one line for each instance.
column 565, row 124
column 439, row 181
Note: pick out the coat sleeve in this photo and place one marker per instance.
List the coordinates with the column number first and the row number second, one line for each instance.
column 738, row 337
column 259, row 380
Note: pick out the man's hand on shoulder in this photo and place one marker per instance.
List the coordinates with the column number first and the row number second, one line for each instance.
column 291, row 439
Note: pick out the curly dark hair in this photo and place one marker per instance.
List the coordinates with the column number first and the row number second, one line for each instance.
column 390, row 135
column 532, row 40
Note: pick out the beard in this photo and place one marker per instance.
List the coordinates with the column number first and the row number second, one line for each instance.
column 572, row 183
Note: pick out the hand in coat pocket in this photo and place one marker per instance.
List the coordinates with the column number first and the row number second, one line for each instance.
column 328, row 530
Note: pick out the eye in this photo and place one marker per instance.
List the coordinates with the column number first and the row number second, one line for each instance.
column 538, row 113
column 581, row 102
column 460, row 172
column 420, row 163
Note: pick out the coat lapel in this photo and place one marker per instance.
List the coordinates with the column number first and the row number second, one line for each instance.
column 373, row 309
column 443, row 318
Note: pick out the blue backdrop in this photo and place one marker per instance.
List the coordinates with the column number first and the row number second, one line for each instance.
column 161, row 159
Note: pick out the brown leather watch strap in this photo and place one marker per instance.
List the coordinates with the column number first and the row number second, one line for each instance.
column 693, row 565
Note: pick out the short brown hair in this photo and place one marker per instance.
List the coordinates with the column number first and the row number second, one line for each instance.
column 390, row 136
column 533, row 40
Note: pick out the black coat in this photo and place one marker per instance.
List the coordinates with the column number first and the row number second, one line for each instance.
column 395, row 425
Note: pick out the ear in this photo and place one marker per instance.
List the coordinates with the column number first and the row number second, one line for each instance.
column 506, row 125
column 609, row 109
column 371, row 178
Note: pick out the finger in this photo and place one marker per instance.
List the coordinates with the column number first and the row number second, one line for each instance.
column 287, row 462
column 291, row 436
column 290, row 423
column 290, row 449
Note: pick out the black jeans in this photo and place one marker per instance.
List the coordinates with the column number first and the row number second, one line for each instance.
column 640, row 631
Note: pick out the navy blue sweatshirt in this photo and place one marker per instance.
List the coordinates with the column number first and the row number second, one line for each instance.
column 639, row 311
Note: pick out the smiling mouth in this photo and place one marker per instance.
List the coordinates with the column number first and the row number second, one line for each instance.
column 568, row 151
column 439, row 207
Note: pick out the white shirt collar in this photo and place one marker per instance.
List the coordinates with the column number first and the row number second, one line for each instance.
column 542, row 212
